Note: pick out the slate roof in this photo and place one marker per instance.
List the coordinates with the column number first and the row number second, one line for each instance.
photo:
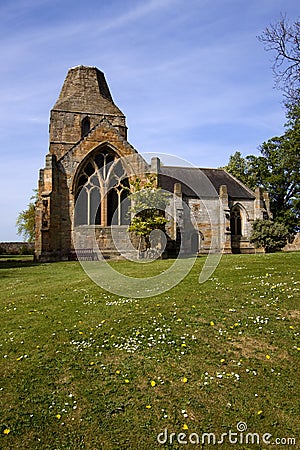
column 202, row 182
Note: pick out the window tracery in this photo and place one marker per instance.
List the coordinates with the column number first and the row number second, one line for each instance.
column 102, row 188
column 236, row 221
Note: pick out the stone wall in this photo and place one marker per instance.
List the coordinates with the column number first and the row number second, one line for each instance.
column 16, row 248
column 293, row 246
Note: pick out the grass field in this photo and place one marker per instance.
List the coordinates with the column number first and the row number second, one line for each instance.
column 84, row 369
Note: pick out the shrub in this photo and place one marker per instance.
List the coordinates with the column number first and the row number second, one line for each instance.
column 272, row 236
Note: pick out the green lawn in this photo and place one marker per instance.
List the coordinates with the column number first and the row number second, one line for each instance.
column 85, row 369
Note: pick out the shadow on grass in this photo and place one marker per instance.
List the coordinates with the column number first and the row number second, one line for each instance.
column 15, row 261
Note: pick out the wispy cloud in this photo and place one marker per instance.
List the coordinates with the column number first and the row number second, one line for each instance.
column 139, row 11
column 190, row 76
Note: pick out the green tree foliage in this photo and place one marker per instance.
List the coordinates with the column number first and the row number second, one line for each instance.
column 278, row 167
column 26, row 220
column 148, row 206
column 272, row 236
column 279, row 173
column 241, row 168
column 277, row 170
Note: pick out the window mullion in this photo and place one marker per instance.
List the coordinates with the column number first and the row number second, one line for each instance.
column 88, row 207
column 119, row 207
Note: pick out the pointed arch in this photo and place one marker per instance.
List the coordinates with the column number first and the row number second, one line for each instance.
column 99, row 187
column 93, row 155
column 238, row 216
column 236, row 221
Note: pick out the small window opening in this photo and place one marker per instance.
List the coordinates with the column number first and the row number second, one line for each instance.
column 85, row 126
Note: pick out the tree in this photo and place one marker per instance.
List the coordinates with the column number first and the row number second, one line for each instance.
column 277, row 170
column 283, row 38
column 272, row 236
column 148, row 206
column 26, row 220
column 241, row 168
column 279, row 174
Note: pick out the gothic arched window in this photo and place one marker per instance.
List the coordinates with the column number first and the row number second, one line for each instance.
column 101, row 191
column 236, row 221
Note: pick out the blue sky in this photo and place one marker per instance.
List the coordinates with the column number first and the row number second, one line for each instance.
column 190, row 76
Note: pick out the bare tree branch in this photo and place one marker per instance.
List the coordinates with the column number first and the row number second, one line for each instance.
column 283, row 38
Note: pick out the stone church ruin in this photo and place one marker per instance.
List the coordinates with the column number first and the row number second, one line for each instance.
column 88, row 176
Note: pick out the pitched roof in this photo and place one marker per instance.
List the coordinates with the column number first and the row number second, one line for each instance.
column 202, row 182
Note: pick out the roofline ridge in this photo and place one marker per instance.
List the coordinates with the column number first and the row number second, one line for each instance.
column 194, row 167
column 241, row 183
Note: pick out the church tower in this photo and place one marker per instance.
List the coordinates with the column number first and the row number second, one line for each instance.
column 86, row 131
column 83, row 102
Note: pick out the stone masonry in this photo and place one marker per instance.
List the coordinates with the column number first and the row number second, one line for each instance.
column 87, row 130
